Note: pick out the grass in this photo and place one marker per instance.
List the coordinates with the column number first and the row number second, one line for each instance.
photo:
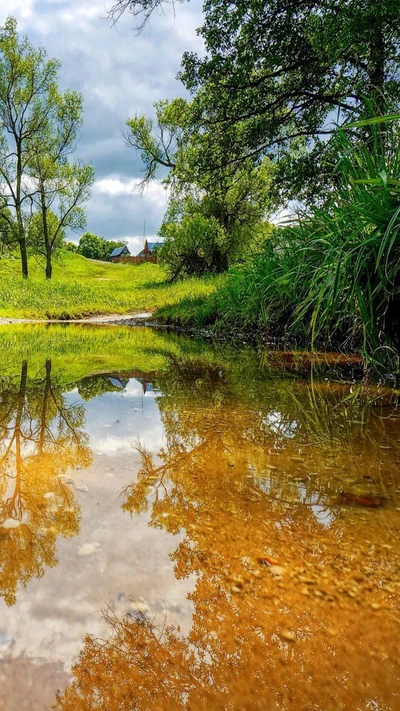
column 81, row 287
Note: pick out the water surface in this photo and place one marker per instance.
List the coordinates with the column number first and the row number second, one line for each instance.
column 185, row 526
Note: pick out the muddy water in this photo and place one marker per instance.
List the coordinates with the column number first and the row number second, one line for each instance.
column 189, row 527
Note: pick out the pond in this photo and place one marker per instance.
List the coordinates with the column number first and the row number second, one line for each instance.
column 189, row 526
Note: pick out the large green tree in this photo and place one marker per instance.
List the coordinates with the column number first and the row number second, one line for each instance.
column 214, row 214
column 62, row 186
column 287, row 72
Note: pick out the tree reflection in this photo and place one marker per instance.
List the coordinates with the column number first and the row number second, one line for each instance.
column 41, row 437
column 294, row 608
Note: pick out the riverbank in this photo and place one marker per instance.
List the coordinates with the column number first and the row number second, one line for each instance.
column 83, row 288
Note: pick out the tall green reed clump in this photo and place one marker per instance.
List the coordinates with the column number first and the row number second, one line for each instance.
column 333, row 278
column 354, row 291
column 265, row 292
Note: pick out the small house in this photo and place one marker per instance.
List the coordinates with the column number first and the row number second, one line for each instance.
column 150, row 248
column 119, row 252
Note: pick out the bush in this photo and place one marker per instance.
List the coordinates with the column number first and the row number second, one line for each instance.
column 195, row 245
column 93, row 247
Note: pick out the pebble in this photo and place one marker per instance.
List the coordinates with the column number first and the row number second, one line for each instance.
column 307, row 581
column 288, row 635
column 277, row 570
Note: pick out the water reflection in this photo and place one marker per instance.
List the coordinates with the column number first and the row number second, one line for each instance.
column 242, row 527
column 41, row 438
column 296, row 594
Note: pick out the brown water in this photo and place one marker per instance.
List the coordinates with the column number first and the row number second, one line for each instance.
column 197, row 528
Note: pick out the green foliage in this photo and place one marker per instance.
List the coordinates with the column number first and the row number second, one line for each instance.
column 93, row 247
column 35, row 237
column 214, row 216
column 285, row 73
column 358, row 233
column 70, row 246
column 196, row 242
column 333, row 278
column 160, row 141
column 192, row 245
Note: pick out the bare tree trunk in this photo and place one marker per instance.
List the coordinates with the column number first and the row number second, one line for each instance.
column 46, row 395
column 18, row 210
column 47, row 242
column 18, row 422
column 22, row 244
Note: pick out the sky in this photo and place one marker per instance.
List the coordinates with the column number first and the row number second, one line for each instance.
column 118, row 72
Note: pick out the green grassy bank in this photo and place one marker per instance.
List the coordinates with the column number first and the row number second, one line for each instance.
column 82, row 287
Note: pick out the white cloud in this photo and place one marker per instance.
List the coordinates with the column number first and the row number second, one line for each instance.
column 154, row 191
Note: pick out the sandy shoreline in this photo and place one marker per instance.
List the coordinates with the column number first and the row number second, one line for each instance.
column 105, row 319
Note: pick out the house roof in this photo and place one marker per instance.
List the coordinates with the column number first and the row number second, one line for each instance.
column 151, row 245
column 119, row 250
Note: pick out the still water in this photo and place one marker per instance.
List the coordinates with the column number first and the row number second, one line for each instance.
column 186, row 526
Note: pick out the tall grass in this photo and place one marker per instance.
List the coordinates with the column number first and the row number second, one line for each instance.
column 356, row 286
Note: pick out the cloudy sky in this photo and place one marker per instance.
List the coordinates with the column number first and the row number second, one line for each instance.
column 118, row 73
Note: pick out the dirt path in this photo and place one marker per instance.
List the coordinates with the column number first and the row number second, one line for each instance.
column 108, row 319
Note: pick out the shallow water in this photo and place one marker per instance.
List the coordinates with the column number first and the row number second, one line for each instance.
column 192, row 527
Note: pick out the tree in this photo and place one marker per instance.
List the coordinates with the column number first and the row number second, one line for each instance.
column 36, row 239
column 8, row 231
column 42, row 436
column 61, row 186
column 213, row 215
column 287, row 72
column 28, row 102
column 142, row 9
column 208, row 231
column 93, row 247
column 70, row 246
column 160, row 141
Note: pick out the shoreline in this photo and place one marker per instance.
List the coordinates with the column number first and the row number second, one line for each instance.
column 255, row 339
column 108, row 319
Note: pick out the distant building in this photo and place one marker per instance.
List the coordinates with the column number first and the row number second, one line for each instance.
column 150, row 248
column 119, row 252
